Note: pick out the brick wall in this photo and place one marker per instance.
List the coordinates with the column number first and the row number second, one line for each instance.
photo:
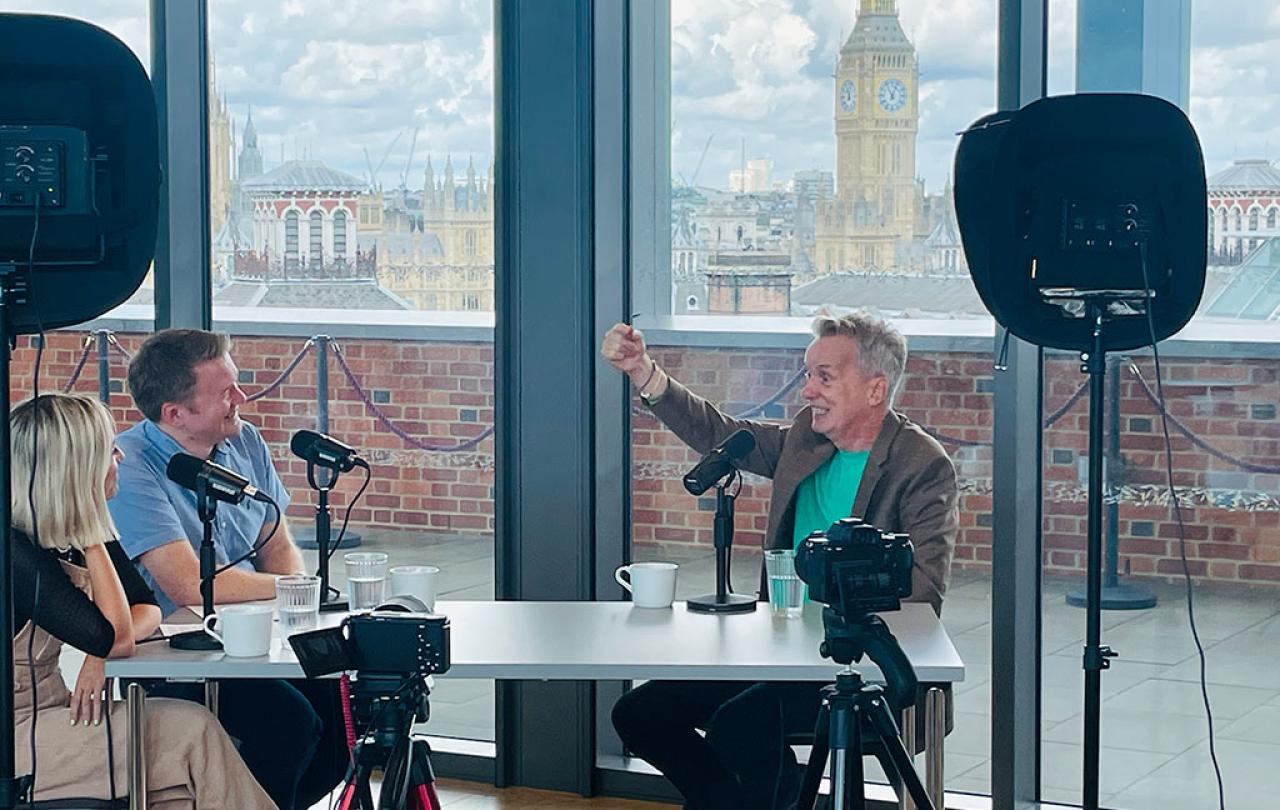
column 442, row 395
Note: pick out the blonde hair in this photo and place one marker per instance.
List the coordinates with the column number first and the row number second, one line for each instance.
column 882, row 351
column 75, row 437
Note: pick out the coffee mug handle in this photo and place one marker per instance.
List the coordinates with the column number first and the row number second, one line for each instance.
column 625, row 583
column 212, row 617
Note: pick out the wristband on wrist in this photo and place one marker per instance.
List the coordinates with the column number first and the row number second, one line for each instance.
column 652, row 371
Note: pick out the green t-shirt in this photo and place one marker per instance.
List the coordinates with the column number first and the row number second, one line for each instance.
column 827, row 495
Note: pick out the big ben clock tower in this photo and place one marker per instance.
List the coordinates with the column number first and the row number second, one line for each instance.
column 876, row 110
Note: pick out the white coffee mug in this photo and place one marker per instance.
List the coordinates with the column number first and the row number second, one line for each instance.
column 652, row 584
column 245, row 629
column 421, row 581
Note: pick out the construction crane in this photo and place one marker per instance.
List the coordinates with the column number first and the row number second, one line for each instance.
column 373, row 172
column 413, row 143
column 698, row 169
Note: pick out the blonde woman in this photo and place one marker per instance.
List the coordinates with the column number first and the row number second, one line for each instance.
column 91, row 597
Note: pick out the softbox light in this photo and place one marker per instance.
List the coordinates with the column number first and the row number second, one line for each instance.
column 1063, row 201
column 78, row 141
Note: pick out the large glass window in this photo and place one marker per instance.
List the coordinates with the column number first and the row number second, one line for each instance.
column 1221, row 405
column 351, row 150
column 811, row 150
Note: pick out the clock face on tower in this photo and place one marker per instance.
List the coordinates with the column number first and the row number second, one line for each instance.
column 892, row 95
column 848, row 96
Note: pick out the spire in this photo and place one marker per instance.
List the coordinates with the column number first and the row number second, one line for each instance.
column 449, row 189
column 429, row 186
column 250, row 131
column 472, row 191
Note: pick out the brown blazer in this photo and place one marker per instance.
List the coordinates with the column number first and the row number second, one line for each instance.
column 909, row 484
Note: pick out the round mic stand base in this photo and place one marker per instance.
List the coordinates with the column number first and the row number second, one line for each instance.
column 197, row 640
column 729, row 603
column 1120, row 596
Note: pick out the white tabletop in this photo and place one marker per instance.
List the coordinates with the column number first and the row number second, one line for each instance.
column 602, row 641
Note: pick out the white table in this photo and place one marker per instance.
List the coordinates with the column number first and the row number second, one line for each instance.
column 593, row 641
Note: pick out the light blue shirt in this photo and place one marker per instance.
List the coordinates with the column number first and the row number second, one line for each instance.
column 151, row 511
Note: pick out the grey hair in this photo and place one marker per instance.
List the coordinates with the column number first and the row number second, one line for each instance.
column 882, row 350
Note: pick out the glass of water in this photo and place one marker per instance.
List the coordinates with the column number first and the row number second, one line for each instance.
column 786, row 590
column 297, row 603
column 366, row 578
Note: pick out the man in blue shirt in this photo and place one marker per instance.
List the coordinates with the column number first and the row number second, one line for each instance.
column 186, row 386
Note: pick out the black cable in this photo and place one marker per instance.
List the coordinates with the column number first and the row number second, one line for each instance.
column 336, row 544
column 1182, row 533
column 258, row 546
column 735, row 477
column 111, row 759
column 31, row 485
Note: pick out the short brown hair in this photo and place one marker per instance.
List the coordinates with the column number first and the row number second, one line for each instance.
column 882, row 350
column 163, row 370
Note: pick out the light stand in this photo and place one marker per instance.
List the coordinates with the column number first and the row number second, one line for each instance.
column 330, row 598
column 1097, row 656
column 722, row 601
column 1116, row 595
column 207, row 509
column 14, row 790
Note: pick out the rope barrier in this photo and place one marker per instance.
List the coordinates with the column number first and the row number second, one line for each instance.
column 756, row 410
column 279, row 381
column 1247, row 466
column 385, row 421
column 84, row 358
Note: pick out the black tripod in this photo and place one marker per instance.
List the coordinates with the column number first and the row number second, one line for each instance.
column 852, row 708
column 393, row 705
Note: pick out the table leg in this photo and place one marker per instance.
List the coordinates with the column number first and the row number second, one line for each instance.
column 137, row 744
column 909, row 741
column 211, row 697
column 935, row 702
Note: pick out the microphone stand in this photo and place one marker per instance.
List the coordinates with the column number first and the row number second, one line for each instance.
column 330, row 598
column 722, row 601
column 207, row 509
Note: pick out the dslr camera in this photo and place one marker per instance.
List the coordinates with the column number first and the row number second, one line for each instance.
column 855, row 568
column 399, row 638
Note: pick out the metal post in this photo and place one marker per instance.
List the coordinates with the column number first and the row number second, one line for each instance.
column 322, row 382
column 136, row 698
column 905, row 802
column 104, row 366
column 935, row 730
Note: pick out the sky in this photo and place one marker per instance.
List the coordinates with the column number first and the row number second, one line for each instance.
column 329, row 80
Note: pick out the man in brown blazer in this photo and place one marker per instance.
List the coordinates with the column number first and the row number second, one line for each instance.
column 846, row 453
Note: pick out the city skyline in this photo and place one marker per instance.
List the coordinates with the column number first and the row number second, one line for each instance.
column 331, row 81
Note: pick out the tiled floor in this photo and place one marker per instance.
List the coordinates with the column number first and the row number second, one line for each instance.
column 1155, row 738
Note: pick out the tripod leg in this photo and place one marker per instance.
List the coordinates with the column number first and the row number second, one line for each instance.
column 817, row 760
column 848, row 781
column 887, row 732
column 422, row 788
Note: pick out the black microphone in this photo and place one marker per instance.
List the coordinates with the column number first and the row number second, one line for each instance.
column 325, row 451
column 221, row 483
column 720, row 461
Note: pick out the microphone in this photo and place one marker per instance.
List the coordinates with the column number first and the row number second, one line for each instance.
column 221, row 483
column 720, row 461
column 325, row 451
